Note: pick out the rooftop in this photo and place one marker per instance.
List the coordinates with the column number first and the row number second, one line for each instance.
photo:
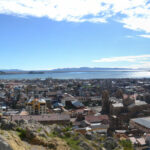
column 45, row 117
column 96, row 119
column 117, row 105
column 137, row 103
column 38, row 100
column 145, row 121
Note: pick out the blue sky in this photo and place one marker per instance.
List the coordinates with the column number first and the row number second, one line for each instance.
column 46, row 34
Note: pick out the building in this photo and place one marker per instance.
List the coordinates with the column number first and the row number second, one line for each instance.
column 99, row 124
column 142, row 124
column 97, row 119
column 116, row 108
column 36, row 106
column 55, row 118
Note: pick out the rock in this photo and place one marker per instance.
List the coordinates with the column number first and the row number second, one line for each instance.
column 47, row 130
column 4, row 123
column 71, row 133
column 80, row 136
column 30, row 133
column 61, row 135
column 43, row 134
column 97, row 146
column 110, row 143
column 33, row 122
column 33, row 134
column 8, row 125
column 89, row 136
column 57, row 129
column 23, row 122
column 4, row 145
column 85, row 146
column 13, row 125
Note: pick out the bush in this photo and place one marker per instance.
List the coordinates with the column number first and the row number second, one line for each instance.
column 39, row 129
column 67, row 134
column 21, row 133
column 126, row 144
column 66, row 129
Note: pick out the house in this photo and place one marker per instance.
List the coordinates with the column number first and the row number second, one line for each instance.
column 116, row 108
column 58, row 105
column 3, row 106
column 74, row 104
column 97, row 119
column 98, row 124
column 81, row 111
column 141, row 141
column 142, row 124
column 77, row 104
column 10, row 112
column 147, row 139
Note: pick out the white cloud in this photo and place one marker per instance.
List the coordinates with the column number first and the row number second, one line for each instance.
column 144, row 64
column 123, row 59
column 70, row 10
column 145, row 35
column 134, row 14
column 141, row 61
column 129, row 36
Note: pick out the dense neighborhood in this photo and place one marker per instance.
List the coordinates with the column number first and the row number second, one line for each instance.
column 112, row 108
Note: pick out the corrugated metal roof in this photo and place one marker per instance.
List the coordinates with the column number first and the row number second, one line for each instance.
column 143, row 121
column 76, row 103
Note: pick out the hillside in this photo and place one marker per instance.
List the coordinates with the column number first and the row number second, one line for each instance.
column 34, row 136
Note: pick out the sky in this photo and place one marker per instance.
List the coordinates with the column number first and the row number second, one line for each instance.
column 48, row 34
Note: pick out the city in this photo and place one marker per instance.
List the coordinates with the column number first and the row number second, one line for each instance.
column 74, row 75
column 117, row 109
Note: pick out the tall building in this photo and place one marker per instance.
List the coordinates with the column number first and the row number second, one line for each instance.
column 36, row 106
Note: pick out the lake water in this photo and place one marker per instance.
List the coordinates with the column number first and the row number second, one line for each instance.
column 82, row 75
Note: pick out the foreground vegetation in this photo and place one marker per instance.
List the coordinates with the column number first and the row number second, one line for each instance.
column 56, row 137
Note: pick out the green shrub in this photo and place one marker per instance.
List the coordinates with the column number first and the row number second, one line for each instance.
column 66, row 129
column 67, row 134
column 126, row 144
column 39, row 129
column 74, row 144
column 21, row 132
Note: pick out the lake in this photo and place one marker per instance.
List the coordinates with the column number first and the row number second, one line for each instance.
column 81, row 75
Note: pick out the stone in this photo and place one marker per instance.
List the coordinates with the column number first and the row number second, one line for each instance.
column 57, row 129
column 110, row 143
column 4, row 145
column 8, row 125
column 30, row 133
column 85, row 146
column 23, row 121
column 47, row 130
column 43, row 134
column 89, row 136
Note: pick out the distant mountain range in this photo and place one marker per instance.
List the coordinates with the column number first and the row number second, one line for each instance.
column 10, row 70
column 84, row 69
column 81, row 69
